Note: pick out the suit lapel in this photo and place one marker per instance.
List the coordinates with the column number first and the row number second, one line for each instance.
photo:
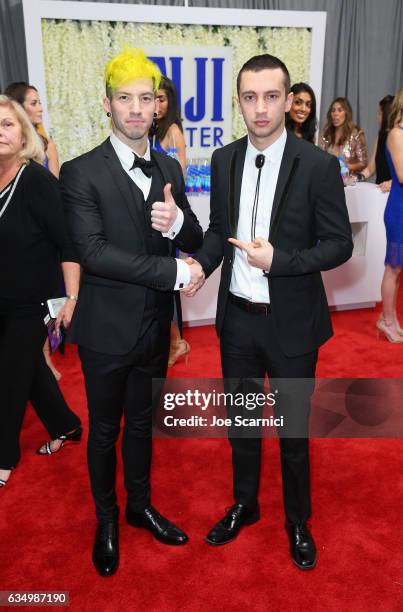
column 114, row 166
column 289, row 164
column 160, row 161
column 235, row 183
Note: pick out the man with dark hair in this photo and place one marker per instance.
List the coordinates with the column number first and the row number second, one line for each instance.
column 283, row 200
column 265, row 62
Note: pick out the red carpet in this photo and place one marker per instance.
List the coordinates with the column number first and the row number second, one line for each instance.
column 47, row 520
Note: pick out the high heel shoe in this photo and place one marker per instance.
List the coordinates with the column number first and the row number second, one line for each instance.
column 178, row 348
column 389, row 330
column 398, row 328
column 73, row 436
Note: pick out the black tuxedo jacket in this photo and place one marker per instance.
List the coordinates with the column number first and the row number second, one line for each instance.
column 309, row 230
column 112, row 235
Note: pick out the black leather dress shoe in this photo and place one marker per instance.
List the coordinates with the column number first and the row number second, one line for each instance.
column 162, row 529
column 105, row 554
column 302, row 545
column 228, row 528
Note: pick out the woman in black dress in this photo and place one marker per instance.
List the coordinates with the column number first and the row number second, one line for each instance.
column 33, row 243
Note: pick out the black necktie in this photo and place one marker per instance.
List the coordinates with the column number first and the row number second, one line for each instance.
column 144, row 165
column 259, row 163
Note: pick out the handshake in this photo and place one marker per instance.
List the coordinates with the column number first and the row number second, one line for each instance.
column 197, row 278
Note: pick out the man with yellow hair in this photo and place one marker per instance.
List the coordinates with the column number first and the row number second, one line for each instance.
column 127, row 212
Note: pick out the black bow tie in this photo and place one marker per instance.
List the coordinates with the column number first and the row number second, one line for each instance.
column 144, row 165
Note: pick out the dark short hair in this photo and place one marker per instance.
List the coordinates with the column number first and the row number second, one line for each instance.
column 264, row 62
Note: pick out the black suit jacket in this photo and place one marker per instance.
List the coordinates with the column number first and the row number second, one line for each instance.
column 309, row 229
column 112, row 236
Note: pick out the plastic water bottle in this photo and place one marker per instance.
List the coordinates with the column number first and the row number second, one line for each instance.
column 190, row 177
column 206, row 176
column 172, row 152
column 343, row 170
column 198, row 177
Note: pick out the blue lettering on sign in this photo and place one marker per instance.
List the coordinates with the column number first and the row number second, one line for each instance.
column 195, row 107
column 160, row 61
column 190, row 131
column 218, row 132
column 204, row 134
column 176, row 76
column 200, row 136
column 217, row 100
column 190, row 112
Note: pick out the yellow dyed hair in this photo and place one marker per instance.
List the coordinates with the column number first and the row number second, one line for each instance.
column 131, row 64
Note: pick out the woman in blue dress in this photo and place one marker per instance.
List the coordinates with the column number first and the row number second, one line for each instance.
column 388, row 322
column 167, row 137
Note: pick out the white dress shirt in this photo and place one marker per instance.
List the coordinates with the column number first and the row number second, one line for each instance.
column 246, row 281
column 143, row 182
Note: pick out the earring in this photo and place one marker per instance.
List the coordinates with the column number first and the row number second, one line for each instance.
column 108, row 114
column 153, row 128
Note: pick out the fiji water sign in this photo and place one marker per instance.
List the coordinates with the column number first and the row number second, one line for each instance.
column 203, row 79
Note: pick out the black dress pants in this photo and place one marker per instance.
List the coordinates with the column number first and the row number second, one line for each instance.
column 249, row 350
column 24, row 375
column 119, row 385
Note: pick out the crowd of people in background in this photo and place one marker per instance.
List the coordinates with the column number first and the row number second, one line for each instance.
column 35, row 240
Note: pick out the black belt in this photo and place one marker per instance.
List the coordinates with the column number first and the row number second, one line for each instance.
column 253, row 307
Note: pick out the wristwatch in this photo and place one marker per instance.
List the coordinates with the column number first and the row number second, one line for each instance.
column 72, row 297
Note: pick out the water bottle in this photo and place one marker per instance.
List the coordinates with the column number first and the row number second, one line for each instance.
column 198, row 179
column 206, row 177
column 190, row 177
column 172, row 150
column 343, row 170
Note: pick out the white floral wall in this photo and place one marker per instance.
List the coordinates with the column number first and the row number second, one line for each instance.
column 75, row 53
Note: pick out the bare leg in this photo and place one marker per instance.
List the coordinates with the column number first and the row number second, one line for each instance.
column 399, row 329
column 46, row 352
column 178, row 347
column 387, row 322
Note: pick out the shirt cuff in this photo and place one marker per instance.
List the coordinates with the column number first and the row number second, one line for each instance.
column 182, row 274
column 176, row 227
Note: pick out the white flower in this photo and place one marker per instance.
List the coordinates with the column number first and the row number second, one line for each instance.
column 75, row 54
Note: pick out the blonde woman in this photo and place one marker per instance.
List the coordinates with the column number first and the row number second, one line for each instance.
column 28, row 97
column 33, row 241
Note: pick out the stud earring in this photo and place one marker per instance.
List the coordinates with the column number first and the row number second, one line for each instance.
column 108, row 114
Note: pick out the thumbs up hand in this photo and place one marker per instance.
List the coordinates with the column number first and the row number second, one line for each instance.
column 163, row 214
